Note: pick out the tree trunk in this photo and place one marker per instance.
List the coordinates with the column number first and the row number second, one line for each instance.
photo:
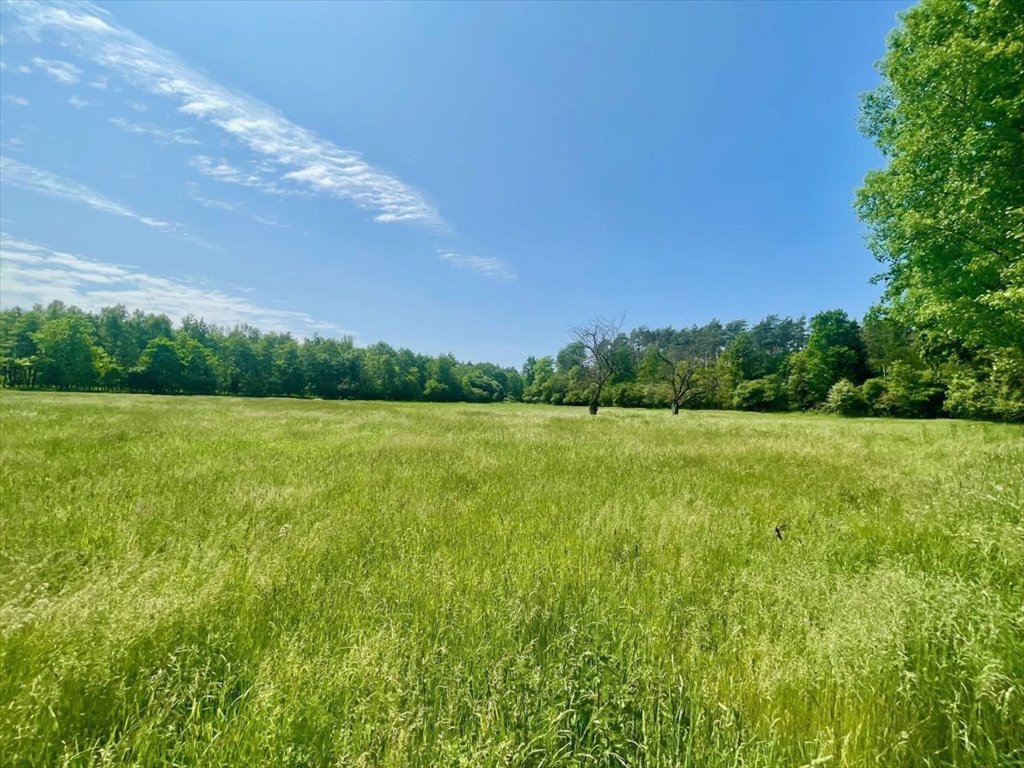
column 593, row 407
column 675, row 409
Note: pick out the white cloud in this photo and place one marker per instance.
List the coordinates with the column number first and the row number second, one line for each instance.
column 305, row 158
column 23, row 69
column 34, row 274
column 3, row 66
column 162, row 135
column 212, row 202
column 77, row 102
column 209, row 202
column 61, row 71
column 138, row 106
column 224, row 205
column 75, row 19
column 100, row 83
column 34, row 179
column 21, row 101
column 221, row 170
column 492, row 268
column 270, row 221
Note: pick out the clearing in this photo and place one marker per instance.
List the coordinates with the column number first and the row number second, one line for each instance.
column 215, row 581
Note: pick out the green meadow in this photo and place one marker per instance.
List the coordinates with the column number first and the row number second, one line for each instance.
column 230, row 582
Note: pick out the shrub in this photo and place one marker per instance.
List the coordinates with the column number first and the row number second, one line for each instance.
column 845, row 398
column 873, row 392
column 912, row 393
column 997, row 396
column 625, row 395
column 764, row 394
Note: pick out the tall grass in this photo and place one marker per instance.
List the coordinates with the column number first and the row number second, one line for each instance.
column 228, row 582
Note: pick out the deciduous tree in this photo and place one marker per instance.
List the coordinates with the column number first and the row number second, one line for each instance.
column 596, row 339
column 946, row 214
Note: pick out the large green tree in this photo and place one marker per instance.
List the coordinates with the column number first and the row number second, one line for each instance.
column 198, row 367
column 834, row 351
column 946, row 214
column 160, row 367
column 67, row 355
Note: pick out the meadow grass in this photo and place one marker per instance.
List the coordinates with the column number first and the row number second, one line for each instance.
column 228, row 582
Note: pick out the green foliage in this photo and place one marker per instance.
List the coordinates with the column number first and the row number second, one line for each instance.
column 443, row 383
column 887, row 341
column 765, row 394
column 234, row 582
column 810, row 377
column 845, row 399
column 997, row 394
column 872, row 391
column 571, row 357
column 946, row 215
column 124, row 336
column 66, row 354
column 538, row 375
column 911, row 392
column 762, row 351
column 114, row 350
column 160, row 368
column 198, row 367
column 284, row 361
column 700, row 367
column 834, row 351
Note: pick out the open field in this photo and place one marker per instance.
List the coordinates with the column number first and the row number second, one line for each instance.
column 213, row 581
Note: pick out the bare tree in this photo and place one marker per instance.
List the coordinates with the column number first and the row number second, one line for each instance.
column 598, row 340
column 688, row 377
column 689, row 370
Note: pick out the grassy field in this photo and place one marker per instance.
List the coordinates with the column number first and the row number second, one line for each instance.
column 212, row 581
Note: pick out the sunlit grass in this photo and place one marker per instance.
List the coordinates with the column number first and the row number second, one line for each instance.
column 204, row 581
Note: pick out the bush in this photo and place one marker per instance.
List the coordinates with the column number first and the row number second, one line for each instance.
column 845, row 398
column 905, row 391
column 764, row 394
column 912, row 393
column 996, row 397
column 873, row 392
column 625, row 395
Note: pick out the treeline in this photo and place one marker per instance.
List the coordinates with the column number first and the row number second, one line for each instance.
column 60, row 347
column 831, row 363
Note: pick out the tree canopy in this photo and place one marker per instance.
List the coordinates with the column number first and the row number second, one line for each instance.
column 777, row 364
column 946, row 214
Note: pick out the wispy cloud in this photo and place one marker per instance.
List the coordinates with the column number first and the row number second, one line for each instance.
column 21, row 101
column 99, row 83
column 209, row 202
column 224, row 205
column 270, row 221
column 24, row 176
column 78, row 102
column 61, row 71
column 35, row 274
column 162, row 135
column 301, row 156
column 495, row 269
column 24, row 69
column 222, row 170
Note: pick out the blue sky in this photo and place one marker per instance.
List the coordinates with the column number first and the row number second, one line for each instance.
column 464, row 177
